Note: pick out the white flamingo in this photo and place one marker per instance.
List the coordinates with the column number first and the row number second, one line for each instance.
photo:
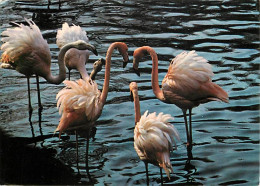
column 153, row 136
column 74, row 59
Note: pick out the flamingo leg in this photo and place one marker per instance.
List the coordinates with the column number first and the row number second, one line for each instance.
column 190, row 127
column 186, row 126
column 87, row 148
column 38, row 91
column 77, row 147
column 69, row 74
column 161, row 176
column 29, row 96
column 77, row 150
column 146, row 170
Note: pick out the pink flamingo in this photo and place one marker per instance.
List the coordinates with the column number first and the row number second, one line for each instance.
column 74, row 59
column 81, row 103
column 153, row 136
column 26, row 51
column 187, row 83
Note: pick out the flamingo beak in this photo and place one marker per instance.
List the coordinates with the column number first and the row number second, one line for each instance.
column 95, row 52
column 125, row 63
column 137, row 72
column 103, row 61
column 131, row 96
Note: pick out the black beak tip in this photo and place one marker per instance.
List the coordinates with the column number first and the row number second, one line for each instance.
column 103, row 61
column 137, row 72
column 95, row 52
column 125, row 63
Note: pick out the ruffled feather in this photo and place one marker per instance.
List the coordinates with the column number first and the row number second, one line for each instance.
column 186, row 73
column 154, row 137
column 79, row 95
column 70, row 34
column 24, row 42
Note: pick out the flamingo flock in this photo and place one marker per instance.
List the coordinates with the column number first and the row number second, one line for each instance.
column 187, row 84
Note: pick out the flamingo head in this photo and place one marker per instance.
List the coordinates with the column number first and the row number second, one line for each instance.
column 82, row 45
column 133, row 90
column 139, row 53
column 123, row 50
column 97, row 67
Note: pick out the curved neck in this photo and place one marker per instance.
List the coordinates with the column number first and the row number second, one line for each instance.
column 107, row 70
column 62, row 70
column 137, row 106
column 83, row 72
column 155, row 82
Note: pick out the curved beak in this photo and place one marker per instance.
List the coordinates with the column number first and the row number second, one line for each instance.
column 131, row 96
column 125, row 63
column 137, row 71
column 95, row 51
column 103, row 61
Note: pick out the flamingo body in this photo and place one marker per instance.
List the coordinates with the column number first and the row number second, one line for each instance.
column 26, row 50
column 188, row 82
column 74, row 59
column 79, row 105
column 153, row 135
column 154, row 139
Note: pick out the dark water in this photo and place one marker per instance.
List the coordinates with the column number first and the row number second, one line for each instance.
column 226, row 136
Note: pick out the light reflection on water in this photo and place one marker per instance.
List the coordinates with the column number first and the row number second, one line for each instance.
column 226, row 136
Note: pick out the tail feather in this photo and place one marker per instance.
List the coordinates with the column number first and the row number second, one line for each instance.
column 168, row 169
column 220, row 93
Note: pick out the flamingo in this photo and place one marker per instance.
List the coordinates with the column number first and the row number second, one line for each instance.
column 26, row 51
column 74, row 59
column 153, row 136
column 187, row 83
column 81, row 103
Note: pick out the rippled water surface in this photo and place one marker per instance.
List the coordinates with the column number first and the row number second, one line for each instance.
column 226, row 136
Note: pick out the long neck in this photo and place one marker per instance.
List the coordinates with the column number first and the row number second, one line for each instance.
column 155, row 82
column 137, row 106
column 83, row 72
column 107, row 71
column 62, row 70
column 81, row 67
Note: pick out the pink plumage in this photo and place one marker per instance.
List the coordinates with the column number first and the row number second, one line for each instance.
column 79, row 105
column 74, row 59
column 154, row 139
column 24, row 48
column 70, row 34
column 187, row 83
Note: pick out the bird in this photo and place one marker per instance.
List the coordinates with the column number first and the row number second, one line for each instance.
column 187, row 83
column 25, row 50
column 80, row 103
column 153, row 136
column 74, row 59
column 97, row 67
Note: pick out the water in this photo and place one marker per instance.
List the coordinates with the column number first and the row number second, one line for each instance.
column 226, row 136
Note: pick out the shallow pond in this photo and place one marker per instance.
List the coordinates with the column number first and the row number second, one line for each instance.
column 226, row 136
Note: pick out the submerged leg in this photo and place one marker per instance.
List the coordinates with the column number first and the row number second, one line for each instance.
column 77, row 150
column 161, row 175
column 39, row 95
column 29, row 96
column 190, row 127
column 146, row 170
column 87, row 148
column 186, row 125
